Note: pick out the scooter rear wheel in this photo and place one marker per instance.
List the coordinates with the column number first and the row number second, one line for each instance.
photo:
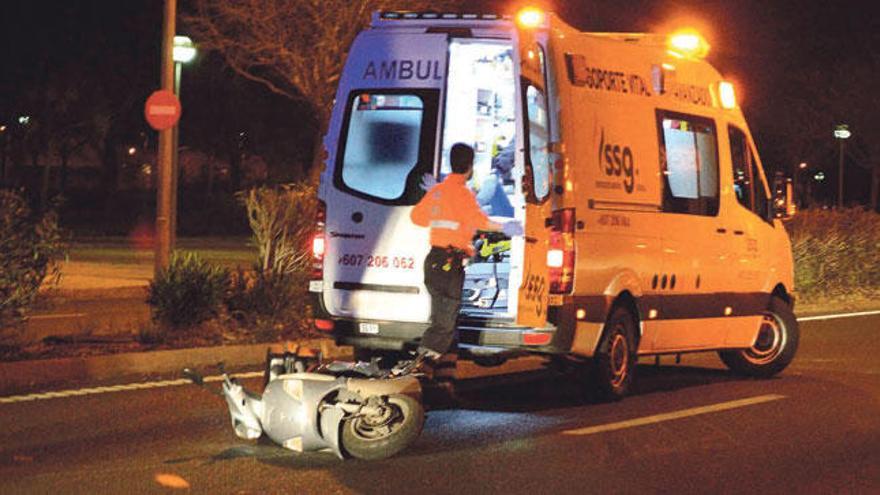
column 373, row 437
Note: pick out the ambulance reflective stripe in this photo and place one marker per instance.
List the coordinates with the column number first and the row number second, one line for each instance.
column 445, row 224
column 452, row 212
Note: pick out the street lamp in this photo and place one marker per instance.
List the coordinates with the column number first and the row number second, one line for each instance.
column 796, row 179
column 183, row 52
column 841, row 134
column 3, row 154
column 184, row 49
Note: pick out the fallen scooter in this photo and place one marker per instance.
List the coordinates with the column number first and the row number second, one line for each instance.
column 352, row 409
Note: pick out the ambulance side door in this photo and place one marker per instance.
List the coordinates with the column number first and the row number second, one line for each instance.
column 753, row 227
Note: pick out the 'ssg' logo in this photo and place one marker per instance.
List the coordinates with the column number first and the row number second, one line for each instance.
column 617, row 161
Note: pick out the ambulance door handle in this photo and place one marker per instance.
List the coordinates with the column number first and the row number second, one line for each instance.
column 721, row 230
column 738, row 232
column 531, row 240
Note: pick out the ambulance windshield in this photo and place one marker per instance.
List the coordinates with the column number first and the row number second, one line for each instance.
column 385, row 143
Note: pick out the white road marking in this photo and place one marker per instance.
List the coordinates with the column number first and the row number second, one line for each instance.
column 684, row 413
column 840, row 315
column 53, row 316
column 116, row 388
column 182, row 381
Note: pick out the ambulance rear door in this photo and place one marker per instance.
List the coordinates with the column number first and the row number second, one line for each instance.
column 533, row 294
column 382, row 139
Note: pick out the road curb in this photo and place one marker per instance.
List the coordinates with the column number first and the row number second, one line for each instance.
column 18, row 376
column 133, row 291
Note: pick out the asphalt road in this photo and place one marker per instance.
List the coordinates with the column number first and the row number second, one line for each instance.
column 814, row 429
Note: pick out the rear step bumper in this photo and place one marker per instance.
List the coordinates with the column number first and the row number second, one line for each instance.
column 399, row 336
column 473, row 332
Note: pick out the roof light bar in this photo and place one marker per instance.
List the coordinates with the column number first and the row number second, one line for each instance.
column 531, row 17
column 407, row 15
column 727, row 95
column 688, row 43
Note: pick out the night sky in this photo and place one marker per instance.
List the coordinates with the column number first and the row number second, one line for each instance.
column 112, row 47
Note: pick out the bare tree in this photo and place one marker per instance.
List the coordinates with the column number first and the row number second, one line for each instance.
column 296, row 48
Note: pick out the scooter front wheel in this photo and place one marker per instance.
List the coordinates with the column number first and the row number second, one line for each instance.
column 381, row 435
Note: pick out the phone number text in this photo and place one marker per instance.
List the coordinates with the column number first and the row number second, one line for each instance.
column 378, row 261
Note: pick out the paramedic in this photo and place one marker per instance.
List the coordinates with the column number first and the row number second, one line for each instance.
column 451, row 211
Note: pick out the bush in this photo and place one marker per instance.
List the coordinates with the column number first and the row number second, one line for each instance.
column 30, row 245
column 272, row 298
column 836, row 253
column 283, row 222
column 189, row 292
column 270, row 302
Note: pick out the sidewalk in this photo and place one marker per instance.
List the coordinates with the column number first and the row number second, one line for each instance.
column 92, row 299
column 83, row 278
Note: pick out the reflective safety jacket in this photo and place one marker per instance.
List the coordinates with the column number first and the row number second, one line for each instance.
column 452, row 213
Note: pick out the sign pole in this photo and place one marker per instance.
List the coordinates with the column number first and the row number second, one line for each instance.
column 840, row 177
column 164, row 189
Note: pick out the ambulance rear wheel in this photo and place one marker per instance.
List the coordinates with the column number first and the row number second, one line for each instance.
column 774, row 347
column 613, row 366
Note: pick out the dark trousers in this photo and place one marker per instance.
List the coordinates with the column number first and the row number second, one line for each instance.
column 444, row 277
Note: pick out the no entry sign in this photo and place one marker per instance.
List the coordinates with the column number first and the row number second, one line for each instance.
column 162, row 110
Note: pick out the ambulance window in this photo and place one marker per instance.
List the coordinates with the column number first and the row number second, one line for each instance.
column 762, row 204
column 538, row 135
column 384, row 141
column 690, row 160
column 742, row 171
column 747, row 183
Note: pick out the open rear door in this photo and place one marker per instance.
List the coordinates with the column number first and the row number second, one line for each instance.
column 533, row 296
column 385, row 126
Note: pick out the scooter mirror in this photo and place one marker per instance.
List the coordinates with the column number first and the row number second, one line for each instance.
column 193, row 377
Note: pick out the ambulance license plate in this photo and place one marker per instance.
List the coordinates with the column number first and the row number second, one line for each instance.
column 370, row 328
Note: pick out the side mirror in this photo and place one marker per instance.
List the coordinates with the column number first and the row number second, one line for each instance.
column 784, row 206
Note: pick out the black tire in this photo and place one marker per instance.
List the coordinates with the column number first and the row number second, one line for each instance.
column 774, row 348
column 612, row 370
column 489, row 361
column 369, row 440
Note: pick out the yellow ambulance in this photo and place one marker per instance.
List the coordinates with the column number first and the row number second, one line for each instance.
column 649, row 225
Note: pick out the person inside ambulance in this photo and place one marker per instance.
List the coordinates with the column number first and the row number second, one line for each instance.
column 452, row 213
column 492, row 195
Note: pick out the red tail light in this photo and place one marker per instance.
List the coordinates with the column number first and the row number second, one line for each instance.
column 324, row 325
column 319, row 246
column 560, row 252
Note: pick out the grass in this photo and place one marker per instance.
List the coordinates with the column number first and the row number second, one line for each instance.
column 836, row 254
column 227, row 252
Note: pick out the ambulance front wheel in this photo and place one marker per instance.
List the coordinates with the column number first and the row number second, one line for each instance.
column 614, row 363
column 774, row 347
